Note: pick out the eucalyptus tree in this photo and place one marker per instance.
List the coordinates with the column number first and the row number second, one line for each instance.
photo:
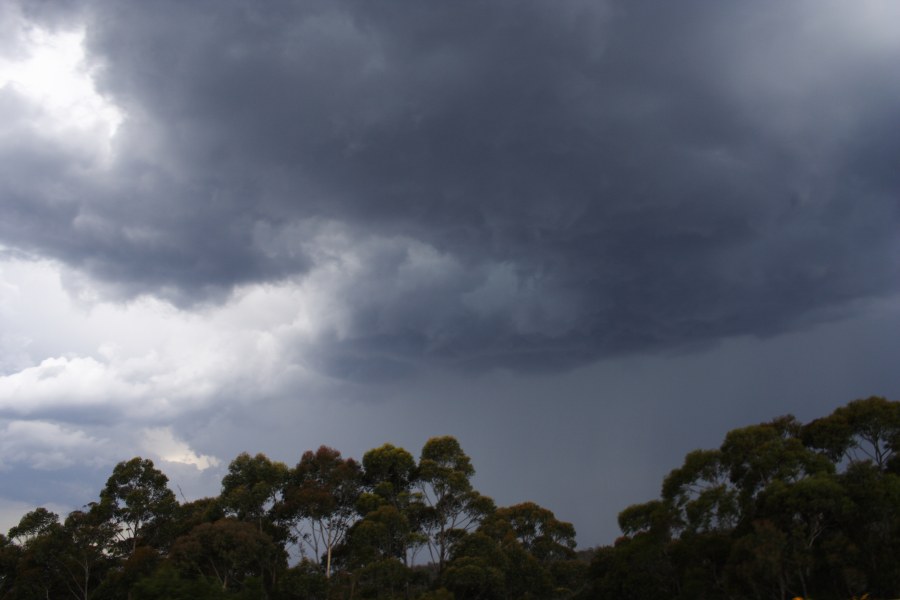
column 251, row 488
column 699, row 495
column 10, row 554
column 538, row 551
column 319, row 501
column 138, row 501
column 867, row 429
column 61, row 560
column 759, row 455
column 32, row 525
column 233, row 553
column 36, row 539
column 84, row 554
column 390, row 507
column 536, row 528
column 780, row 508
column 452, row 504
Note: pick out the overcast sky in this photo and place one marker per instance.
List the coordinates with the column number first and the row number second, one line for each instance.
column 583, row 237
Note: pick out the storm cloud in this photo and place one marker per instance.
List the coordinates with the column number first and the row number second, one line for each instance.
column 228, row 225
column 513, row 184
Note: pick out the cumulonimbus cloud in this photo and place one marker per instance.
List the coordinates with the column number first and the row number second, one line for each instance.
column 520, row 184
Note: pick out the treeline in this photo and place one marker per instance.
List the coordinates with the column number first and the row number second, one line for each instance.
column 780, row 510
column 386, row 527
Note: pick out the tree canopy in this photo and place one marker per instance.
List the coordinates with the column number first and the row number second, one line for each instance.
column 781, row 509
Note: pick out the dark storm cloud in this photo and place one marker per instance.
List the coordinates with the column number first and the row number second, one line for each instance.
column 584, row 178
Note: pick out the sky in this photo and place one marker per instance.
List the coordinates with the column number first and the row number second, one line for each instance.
column 582, row 237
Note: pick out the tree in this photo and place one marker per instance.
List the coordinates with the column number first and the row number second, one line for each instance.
column 85, row 541
column 383, row 579
column 756, row 456
column 768, row 513
column 193, row 513
column 229, row 551
column 32, row 525
column 805, row 512
column 636, row 568
column 385, row 532
column 10, row 554
column 865, row 429
column 477, row 569
column 389, row 472
column 538, row 549
column 700, row 495
column 120, row 579
column 167, row 583
column 39, row 570
column 653, row 517
column 390, row 505
column 251, row 488
column 758, row 563
column 304, row 581
column 137, row 500
column 871, row 529
column 453, row 506
column 319, row 500
column 536, row 528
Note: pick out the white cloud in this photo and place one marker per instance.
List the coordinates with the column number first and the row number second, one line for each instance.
column 145, row 362
column 161, row 442
column 49, row 71
column 95, row 383
column 60, row 383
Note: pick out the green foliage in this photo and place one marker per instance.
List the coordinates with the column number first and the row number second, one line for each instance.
column 319, row 501
column 389, row 473
column 392, row 512
column 121, row 578
column 385, row 532
column 478, row 569
column 781, row 509
column 438, row 594
column 760, row 454
column 865, row 429
column 137, row 500
column 168, row 584
column 536, row 529
column 520, row 551
column 229, row 551
column 452, row 506
column 304, row 581
column 191, row 514
column 251, row 488
column 383, row 579
column 637, row 568
column 39, row 571
column 699, row 495
column 10, row 555
column 649, row 517
column 33, row 525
